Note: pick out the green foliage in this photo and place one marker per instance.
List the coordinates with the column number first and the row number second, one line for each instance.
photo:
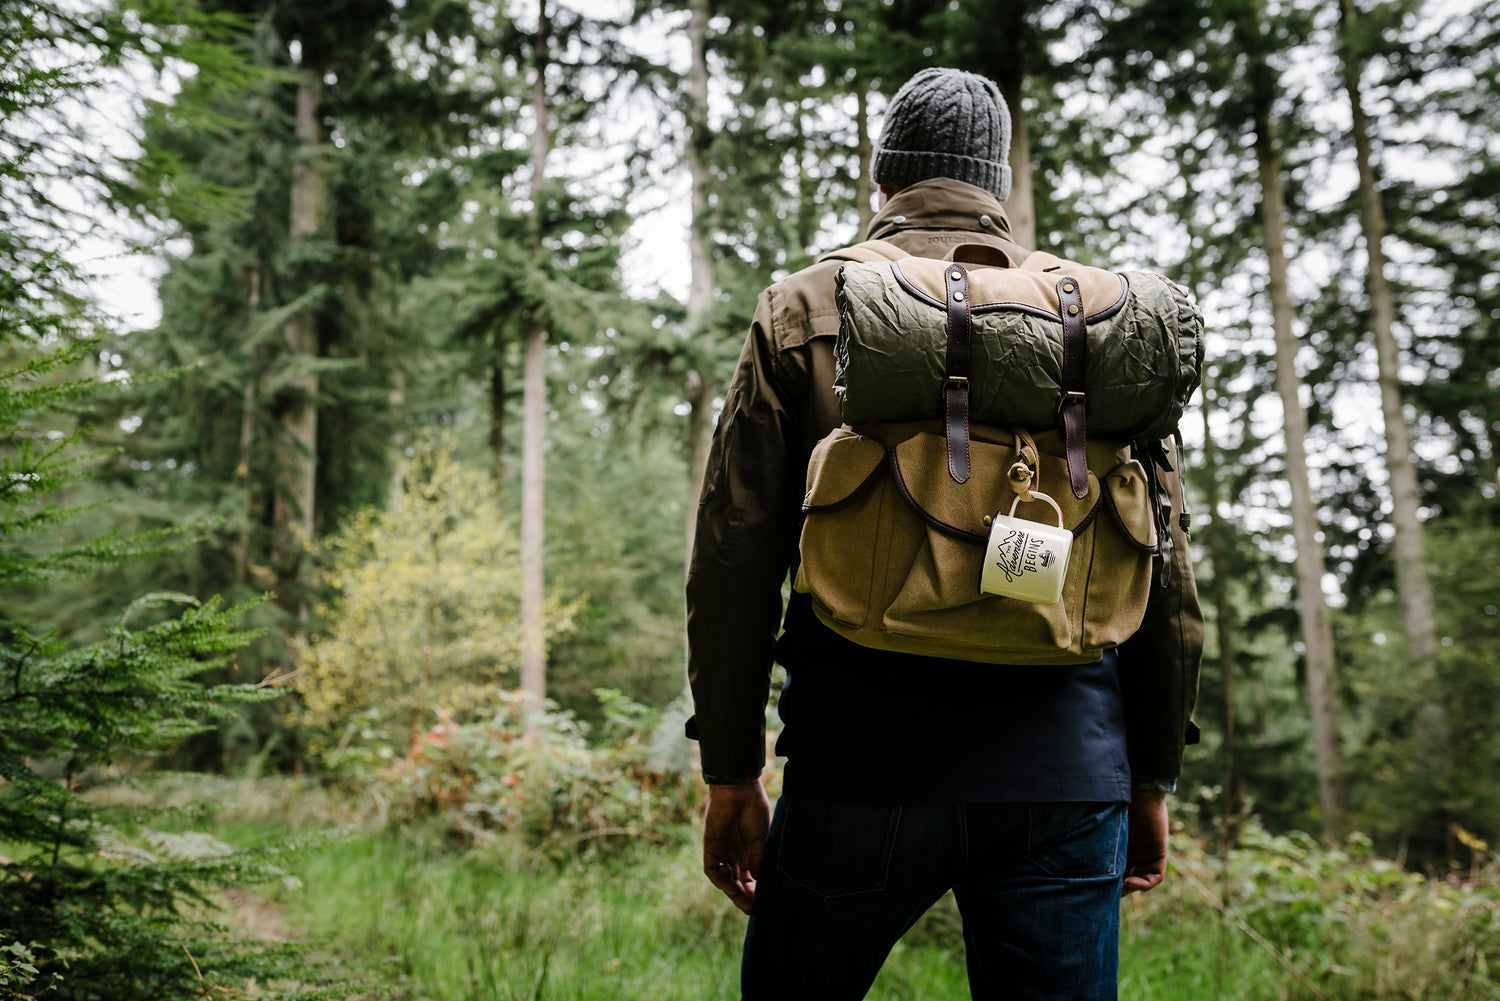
column 17, row 968
column 91, row 907
column 528, row 773
column 425, row 606
column 1282, row 916
column 615, row 541
column 1426, row 754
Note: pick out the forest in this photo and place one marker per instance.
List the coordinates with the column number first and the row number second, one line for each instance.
column 358, row 365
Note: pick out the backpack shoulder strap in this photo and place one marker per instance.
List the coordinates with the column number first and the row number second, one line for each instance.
column 867, row 253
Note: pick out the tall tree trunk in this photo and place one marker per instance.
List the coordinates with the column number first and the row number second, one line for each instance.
column 497, row 408
column 699, row 401
column 808, row 202
column 1005, row 62
column 297, row 445
column 1225, row 624
column 396, row 493
column 1413, row 589
column 1317, row 629
column 247, row 443
column 864, row 193
column 1020, row 207
column 534, row 396
column 701, row 286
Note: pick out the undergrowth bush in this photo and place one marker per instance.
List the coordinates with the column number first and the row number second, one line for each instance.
column 517, row 770
column 1284, row 917
column 1341, row 923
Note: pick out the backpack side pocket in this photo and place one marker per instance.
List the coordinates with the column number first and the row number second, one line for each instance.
column 1119, row 580
column 841, row 525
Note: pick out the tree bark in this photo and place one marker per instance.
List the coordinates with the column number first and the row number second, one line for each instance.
column 1316, row 626
column 808, row 203
column 1413, row 588
column 534, row 396
column 701, row 285
column 864, row 152
column 243, row 467
column 1225, row 624
column 699, row 401
column 297, row 447
column 396, row 493
column 1020, row 207
column 1005, row 62
column 497, row 408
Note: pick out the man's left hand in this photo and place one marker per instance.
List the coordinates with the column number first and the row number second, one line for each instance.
column 1146, row 857
column 734, row 839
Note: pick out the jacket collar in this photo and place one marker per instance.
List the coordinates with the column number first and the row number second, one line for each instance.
column 941, row 203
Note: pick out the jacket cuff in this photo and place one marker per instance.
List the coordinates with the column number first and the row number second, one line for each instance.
column 719, row 776
column 1158, row 761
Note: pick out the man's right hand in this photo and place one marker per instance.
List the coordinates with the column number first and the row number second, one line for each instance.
column 734, row 839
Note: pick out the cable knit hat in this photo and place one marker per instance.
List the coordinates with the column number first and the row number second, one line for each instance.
column 945, row 123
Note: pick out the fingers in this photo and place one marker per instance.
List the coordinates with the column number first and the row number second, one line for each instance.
column 1140, row 883
column 1143, row 876
column 733, row 879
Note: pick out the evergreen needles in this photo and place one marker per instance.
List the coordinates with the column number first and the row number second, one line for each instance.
column 93, row 904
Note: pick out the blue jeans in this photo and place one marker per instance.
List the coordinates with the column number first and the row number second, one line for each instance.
column 1038, row 886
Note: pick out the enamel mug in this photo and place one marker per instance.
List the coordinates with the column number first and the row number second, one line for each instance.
column 1026, row 559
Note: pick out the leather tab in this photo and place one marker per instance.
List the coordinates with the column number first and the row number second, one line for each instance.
column 956, row 387
column 1071, row 408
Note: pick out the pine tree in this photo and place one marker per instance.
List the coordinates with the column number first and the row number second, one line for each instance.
column 293, row 333
column 92, row 904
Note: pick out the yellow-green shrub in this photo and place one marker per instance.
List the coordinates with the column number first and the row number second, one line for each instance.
column 424, row 612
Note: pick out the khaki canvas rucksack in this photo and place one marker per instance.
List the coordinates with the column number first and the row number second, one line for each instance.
column 968, row 388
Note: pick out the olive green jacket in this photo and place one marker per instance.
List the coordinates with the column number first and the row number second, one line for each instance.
column 779, row 404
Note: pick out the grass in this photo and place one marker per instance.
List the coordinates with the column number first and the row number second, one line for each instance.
column 418, row 919
column 478, row 925
column 484, row 926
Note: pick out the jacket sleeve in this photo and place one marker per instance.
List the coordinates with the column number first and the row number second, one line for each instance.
column 745, row 536
column 1159, row 665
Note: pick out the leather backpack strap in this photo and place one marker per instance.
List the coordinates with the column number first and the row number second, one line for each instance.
column 1070, row 406
column 956, row 386
column 866, row 253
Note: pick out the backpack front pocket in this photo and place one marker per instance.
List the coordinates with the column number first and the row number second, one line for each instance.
column 892, row 548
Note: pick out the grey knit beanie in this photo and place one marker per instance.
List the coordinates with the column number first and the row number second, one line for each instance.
column 945, row 123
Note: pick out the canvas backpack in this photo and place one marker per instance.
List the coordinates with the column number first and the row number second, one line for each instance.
column 968, row 386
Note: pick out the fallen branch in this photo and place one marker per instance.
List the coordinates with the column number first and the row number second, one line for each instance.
column 605, row 832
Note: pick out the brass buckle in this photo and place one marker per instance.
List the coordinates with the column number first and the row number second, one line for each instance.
column 1069, row 398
